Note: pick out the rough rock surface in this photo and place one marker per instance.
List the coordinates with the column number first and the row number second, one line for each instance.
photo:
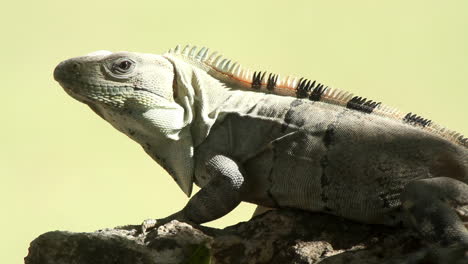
column 284, row 236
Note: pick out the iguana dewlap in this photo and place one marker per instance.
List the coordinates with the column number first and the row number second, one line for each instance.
column 278, row 141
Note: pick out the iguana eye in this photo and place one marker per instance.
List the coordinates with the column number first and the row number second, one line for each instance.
column 125, row 65
column 122, row 66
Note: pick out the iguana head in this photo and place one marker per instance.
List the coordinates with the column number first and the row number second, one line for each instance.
column 116, row 79
column 141, row 95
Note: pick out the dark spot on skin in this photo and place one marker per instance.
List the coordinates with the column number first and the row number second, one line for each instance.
column 285, row 125
column 131, row 132
column 324, row 162
column 270, row 179
column 329, row 135
column 324, row 197
column 296, row 103
column 291, row 114
column 324, row 181
column 328, row 140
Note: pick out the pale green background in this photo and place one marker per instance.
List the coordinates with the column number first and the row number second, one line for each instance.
column 62, row 167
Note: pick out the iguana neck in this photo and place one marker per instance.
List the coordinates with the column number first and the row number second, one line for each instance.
column 169, row 131
column 200, row 95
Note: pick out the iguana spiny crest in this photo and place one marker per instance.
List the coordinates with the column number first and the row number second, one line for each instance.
column 232, row 72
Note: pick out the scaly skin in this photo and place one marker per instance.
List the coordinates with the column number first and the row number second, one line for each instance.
column 278, row 151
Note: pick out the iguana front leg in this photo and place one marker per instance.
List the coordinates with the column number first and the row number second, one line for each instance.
column 220, row 196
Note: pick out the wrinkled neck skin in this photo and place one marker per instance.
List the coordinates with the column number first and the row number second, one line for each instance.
column 201, row 97
column 169, row 131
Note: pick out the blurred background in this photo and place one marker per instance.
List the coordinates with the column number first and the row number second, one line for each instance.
column 63, row 168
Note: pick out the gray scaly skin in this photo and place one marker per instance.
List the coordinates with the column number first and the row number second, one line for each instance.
column 279, row 142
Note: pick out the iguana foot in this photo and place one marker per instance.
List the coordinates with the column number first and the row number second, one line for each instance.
column 150, row 224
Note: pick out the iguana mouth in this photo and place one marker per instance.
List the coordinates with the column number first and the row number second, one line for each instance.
column 83, row 88
column 90, row 93
column 115, row 96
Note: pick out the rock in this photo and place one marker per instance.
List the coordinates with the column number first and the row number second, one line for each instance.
column 282, row 236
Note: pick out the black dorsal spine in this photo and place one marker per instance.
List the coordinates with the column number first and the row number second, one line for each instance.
column 271, row 82
column 416, row 120
column 362, row 104
column 257, row 79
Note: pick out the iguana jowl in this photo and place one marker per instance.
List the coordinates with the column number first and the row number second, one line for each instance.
column 277, row 142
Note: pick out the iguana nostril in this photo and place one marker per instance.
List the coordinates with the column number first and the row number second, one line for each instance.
column 76, row 66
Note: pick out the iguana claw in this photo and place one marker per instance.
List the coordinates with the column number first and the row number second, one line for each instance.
column 149, row 224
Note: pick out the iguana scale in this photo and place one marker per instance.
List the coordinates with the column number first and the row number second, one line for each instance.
column 279, row 142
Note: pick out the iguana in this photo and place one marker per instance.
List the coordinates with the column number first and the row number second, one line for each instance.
column 276, row 141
